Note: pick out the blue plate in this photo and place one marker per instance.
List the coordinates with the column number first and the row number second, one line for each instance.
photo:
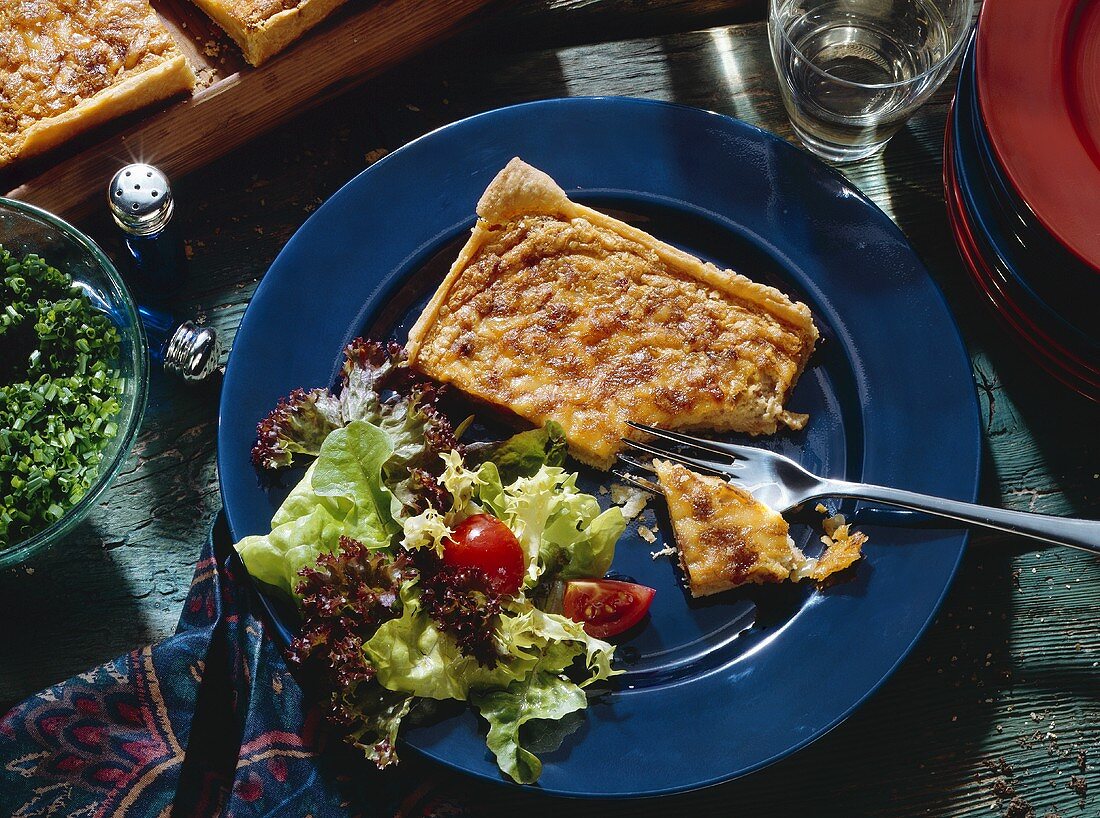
column 714, row 688
column 1059, row 289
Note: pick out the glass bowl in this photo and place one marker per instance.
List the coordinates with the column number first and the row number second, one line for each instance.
column 27, row 229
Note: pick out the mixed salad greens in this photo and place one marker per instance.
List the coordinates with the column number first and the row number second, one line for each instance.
column 425, row 569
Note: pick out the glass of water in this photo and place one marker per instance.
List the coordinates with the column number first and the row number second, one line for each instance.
column 851, row 72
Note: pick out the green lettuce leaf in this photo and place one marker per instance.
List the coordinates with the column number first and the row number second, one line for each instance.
column 491, row 490
column 377, row 715
column 542, row 695
column 580, row 541
column 462, row 484
column 341, row 494
column 428, row 529
column 561, row 529
column 563, row 532
column 298, row 425
column 302, row 500
column 420, row 434
column 556, row 641
column 350, row 466
column 412, row 655
column 275, row 558
column 530, row 503
column 522, row 454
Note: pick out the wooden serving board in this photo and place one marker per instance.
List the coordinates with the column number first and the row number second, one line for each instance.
column 233, row 102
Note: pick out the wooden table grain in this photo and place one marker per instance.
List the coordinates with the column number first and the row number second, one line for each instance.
column 996, row 712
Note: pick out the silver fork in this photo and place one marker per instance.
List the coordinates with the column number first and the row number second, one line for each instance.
column 782, row 484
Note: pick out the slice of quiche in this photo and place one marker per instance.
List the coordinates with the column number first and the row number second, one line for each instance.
column 263, row 28
column 555, row 311
column 68, row 65
column 727, row 538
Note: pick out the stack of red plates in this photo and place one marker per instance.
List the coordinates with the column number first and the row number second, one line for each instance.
column 1022, row 178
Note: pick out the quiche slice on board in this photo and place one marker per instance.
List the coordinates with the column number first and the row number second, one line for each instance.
column 555, row 311
column 68, row 65
column 263, row 28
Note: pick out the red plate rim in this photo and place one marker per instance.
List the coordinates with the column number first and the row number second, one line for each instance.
column 1037, row 73
column 1010, row 298
column 1036, row 342
column 1054, row 367
column 1015, row 321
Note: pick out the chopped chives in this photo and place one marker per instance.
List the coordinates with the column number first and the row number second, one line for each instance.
column 58, row 396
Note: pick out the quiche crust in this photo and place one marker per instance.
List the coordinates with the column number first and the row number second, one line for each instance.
column 555, row 311
column 67, row 66
column 262, row 28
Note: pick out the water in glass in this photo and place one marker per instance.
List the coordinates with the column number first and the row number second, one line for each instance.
column 852, row 71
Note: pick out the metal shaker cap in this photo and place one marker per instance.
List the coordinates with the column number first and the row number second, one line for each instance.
column 140, row 199
column 192, row 351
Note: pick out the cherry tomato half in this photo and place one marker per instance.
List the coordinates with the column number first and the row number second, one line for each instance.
column 482, row 541
column 607, row 607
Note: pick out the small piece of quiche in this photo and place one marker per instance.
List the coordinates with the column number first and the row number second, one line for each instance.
column 842, row 548
column 555, row 311
column 68, row 65
column 262, row 28
column 727, row 538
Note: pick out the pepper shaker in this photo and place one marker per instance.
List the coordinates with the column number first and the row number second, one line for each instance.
column 141, row 204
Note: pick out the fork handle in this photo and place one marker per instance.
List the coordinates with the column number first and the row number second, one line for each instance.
column 1083, row 534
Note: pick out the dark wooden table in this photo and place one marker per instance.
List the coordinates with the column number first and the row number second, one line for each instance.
column 997, row 712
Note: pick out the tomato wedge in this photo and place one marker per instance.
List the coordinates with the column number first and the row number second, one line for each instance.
column 606, row 607
column 482, row 541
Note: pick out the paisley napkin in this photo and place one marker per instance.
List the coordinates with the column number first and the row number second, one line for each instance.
column 208, row 722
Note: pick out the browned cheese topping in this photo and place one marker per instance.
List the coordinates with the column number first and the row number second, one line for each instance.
column 255, row 12
column 563, row 319
column 726, row 538
column 56, row 53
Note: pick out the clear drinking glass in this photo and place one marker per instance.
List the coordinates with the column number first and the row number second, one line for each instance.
column 851, row 72
column 26, row 229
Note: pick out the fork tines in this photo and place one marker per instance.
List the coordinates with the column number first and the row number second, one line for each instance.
column 642, row 465
column 635, row 480
column 712, row 466
column 713, row 446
